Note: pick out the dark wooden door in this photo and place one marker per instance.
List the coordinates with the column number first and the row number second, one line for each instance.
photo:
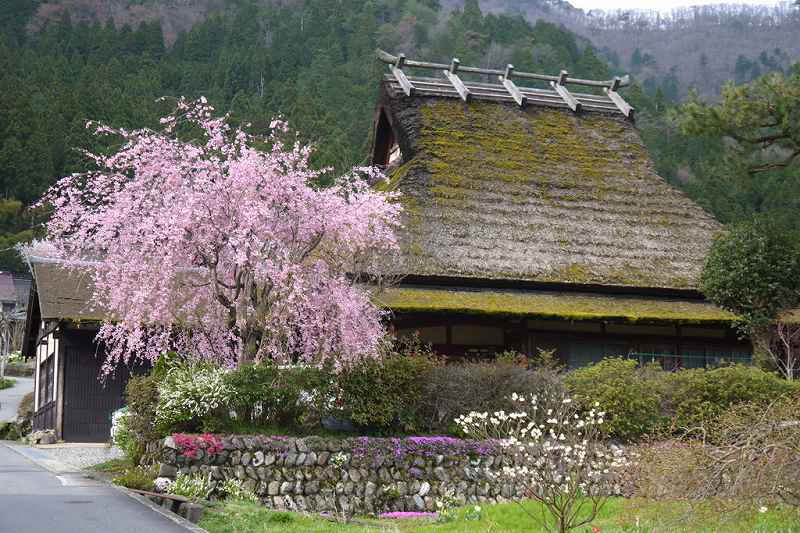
column 88, row 400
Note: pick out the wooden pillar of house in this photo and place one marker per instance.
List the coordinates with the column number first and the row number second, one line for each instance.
column 59, row 396
column 516, row 336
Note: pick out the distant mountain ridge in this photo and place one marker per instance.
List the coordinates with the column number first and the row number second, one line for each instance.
column 701, row 46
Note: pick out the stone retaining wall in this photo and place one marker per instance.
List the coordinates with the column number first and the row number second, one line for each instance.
column 365, row 475
column 361, row 475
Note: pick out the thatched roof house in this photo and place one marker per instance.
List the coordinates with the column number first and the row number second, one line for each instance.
column 535, row 219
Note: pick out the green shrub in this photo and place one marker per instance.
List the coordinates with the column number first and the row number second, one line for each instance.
column 449, row 391
column 141, row 395
column 694, row 396
column 279, row 517
column 383, row 394
column 300, row 396
column 631, row 397
column 121, row 436
column 290, row 397
column 254, row 387
column 6, row 383
column 137, row 477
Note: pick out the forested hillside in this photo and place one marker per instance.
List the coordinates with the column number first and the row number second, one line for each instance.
column 312, row 62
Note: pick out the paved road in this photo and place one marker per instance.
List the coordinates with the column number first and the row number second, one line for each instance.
column 35, row 500
column 10, row 398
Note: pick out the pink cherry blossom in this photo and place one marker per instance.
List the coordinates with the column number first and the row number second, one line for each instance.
column 222, row 251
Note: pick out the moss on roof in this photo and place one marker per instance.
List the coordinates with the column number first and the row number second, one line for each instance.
column 540, row 194
column 65, row 293
column 554, row 305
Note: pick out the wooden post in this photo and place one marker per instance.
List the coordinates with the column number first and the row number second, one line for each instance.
column 511, row 87
column 621, row 104
column 455, row 81
column 565, row 95
column 400, row 76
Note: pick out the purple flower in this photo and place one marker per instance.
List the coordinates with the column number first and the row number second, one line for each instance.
column 407, row 514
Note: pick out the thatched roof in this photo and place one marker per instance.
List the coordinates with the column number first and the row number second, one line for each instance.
column 495, row 191
column 551, row 304
column 64, row 293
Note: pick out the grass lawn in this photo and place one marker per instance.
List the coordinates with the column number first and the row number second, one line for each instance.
column 6, row 383
column 619, row 515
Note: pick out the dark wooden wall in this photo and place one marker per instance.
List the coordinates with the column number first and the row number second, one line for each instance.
column 89, row 399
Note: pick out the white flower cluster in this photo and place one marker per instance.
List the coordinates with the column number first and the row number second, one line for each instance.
column 191, row 392
column 162, row 484
column 193, row 486
column 338, row 459
column 233, row 489
column 119, row 424
column 557, row 450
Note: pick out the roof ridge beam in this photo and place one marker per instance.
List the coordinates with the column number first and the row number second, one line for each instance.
column 400, row 76
column 455, row 81
column 624, row 107
column 390, row 59
column 564, row 93
column 511, row 87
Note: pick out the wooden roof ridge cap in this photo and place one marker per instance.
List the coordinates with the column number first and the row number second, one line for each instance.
column 400, row 61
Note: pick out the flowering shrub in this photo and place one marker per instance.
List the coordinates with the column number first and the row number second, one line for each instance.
column 189, row 395
column 376, row 449
column 234, row 490
column 402, row 515
column 561, row 463
column 192, row 446
column 446, row 507
column 454, row 389
column 193, row 486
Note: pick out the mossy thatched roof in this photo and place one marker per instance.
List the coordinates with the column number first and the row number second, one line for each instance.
column 65, row 293
column 561, row 305
column 494, row 191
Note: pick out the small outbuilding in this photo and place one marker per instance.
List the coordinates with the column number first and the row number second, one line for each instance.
column 70, row 395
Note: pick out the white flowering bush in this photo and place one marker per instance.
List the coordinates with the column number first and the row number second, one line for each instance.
column 193, row 486
column 190, row 395
column 119, row 424
column 233, row 489
column 560, row 461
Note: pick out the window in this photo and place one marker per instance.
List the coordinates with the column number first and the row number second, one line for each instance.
column 46, row 381
column 430, row 334
column 473, row 335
